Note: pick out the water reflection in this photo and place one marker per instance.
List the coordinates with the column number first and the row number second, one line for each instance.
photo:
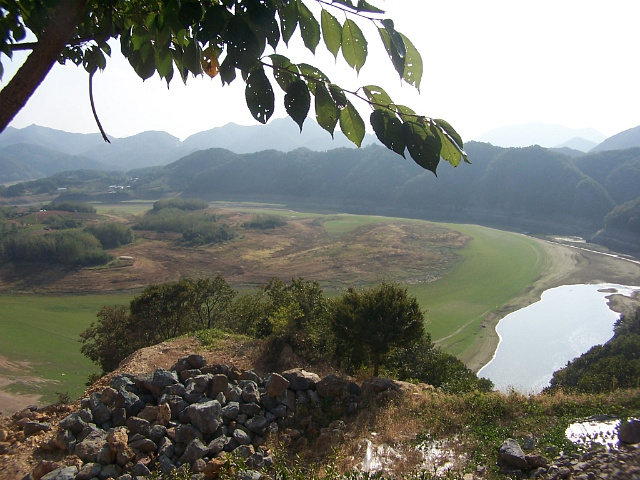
column 541, row 338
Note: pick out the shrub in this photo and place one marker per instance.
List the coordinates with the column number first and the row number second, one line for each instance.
column 265, row 222
column 111, row 234
column 69, row 206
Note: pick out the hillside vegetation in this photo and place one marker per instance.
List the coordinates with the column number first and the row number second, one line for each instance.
column 532, row 189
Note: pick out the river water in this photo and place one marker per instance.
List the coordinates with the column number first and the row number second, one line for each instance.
column 539, row 339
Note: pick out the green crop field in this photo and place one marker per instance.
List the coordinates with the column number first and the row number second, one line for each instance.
column 497, row 267
column 43, row 332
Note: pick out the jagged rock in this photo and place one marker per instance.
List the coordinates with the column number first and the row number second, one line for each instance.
column 166, row 447
column 536, row 461
column 160, row 379
column 375, row 385
column 230, row 410
column 109, row 471
column 250, row 409
column 195, row 450
column 184, row 433
column 196, row 361
column 131, row 402
column 251, row 375
column 242, row 437
column 77, row 421
column 142, row 444
column 140, row 470
column 629, row 432
column 199, row 383
column 89, row 471
column 250, row 392
column 276, row 385
column 31, row 428
column 258, row 424
column 332, row 386
column 300, row 379
column 206, row 416
column 63, row 473
column 214, row 467
column 89, row 448
column 44, row 467
column 511, row 455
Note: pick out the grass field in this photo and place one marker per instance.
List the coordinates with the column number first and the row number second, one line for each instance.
column 497, row 266
column 43, row 332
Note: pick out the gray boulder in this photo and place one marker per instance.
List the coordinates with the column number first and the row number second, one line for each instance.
column 629, row 432
column 510, row 455
column 206, row 416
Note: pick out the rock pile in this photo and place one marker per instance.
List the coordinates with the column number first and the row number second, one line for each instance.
column 195, row 414
column 622, row 463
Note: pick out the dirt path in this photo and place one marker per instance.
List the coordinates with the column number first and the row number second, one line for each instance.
column 565, row 265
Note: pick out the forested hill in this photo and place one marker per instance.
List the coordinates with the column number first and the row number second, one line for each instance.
column 532, row 188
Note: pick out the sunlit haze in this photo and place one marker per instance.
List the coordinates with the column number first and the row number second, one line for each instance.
column 487, row 64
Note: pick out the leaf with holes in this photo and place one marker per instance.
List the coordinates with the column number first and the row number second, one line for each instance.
column 396, row 59
column 327, row 112
column 259, row 95
column 209, row 61
column 424, row 145
column 338, row 95
column 309, row 27
column 378, row 97
column 452, row 150
column 354, row 45
column 351, row 124
column 364, row 6
column 297, row 101
column 288, row 13
column 331, row 32
column 388, row 129
column 284, row 71
column 412, row 64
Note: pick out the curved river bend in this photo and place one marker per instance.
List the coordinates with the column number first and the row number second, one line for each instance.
column 539, row 339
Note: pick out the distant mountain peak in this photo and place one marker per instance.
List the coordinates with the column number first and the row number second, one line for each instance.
column 543, row 134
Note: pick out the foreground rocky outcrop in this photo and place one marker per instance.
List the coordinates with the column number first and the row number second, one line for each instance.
column 195, row 415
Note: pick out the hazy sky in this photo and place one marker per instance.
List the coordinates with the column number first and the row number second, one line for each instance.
column 487, row 63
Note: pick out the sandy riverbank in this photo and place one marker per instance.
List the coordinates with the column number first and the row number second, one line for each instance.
column 565, row 265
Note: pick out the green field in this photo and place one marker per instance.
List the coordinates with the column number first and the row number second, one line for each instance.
column 43, row 331
column 497, row 267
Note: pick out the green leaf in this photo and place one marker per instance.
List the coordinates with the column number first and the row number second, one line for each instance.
column 351, row 124
column 164, row 63
column 259, row 95
column 406, row 114
column 364, row 6
column 213, row 23
column 346, row 3
column 297, row 101
column 354, row 45
column 338, row 96
column 395, row 37
column 309, row 27
column 191, row 58
column 327, row 112
column 424, row 145
column 284, row 71
column 388, row 129
column 313, row 76
column 378, row 97
column 452, row 150
column 396, row 59
column 412, row 64
column 288, row 19
column 331, row 32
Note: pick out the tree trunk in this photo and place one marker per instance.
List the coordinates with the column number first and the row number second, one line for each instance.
column 46, row 52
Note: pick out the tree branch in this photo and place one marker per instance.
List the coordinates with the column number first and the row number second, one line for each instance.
column 16, row 93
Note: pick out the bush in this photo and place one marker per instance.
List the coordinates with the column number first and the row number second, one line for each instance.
column 58, row 222
column 180, row 204
column 69, row 206
column 68, row 248
column 111, row 234
column 265, row 222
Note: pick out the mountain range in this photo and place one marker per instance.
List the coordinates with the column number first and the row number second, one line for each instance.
column 37, row 152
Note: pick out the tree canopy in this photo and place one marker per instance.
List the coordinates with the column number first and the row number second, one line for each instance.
column 229, row 38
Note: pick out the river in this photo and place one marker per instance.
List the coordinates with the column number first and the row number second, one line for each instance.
column 537, row 340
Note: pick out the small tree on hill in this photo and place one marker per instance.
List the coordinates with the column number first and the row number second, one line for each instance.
column 369, row 323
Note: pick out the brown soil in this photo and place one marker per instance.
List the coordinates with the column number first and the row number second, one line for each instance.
column 406, row 251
